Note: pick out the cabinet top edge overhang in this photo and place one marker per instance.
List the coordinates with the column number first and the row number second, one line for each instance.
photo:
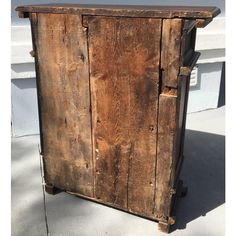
column 194, row 12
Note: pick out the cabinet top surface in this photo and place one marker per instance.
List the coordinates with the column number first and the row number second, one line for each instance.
column 125, row 10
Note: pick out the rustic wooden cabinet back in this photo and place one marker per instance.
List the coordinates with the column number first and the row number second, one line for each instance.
column 112, row 92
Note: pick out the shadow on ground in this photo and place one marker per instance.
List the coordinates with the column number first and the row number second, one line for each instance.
column 204, row 173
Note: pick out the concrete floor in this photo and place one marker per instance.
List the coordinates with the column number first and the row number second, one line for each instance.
column 200, row 213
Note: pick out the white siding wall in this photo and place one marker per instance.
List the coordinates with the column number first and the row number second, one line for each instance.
column 204, row 95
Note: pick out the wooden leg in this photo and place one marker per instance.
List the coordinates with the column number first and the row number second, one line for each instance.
column 50, row 189
column 164, row 227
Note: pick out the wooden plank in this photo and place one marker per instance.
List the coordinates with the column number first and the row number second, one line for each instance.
column 124, row 73
column 171, row 123
column 170, row 51
column 144, row 93
column 166, row 152
column 61, row 54
column 126, row 10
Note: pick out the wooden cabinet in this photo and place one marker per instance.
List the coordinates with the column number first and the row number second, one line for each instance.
column 112, row 86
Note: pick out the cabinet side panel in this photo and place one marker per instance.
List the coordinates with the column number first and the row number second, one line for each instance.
column 170, row 117
column 64, row 98
column 187, row 51
column 181, row 121
column 124, row 65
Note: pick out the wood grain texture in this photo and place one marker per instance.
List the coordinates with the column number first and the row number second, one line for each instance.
column 63, row 88
column 170, row 51
column 171, row 121
column 124, row 74
column 177, row 50
column 166, row 152
column 126, row 10
column 112, row 128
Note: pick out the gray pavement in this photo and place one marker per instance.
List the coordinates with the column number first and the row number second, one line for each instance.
column 200, row 213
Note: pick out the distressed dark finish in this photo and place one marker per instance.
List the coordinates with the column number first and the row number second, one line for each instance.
column 170, row 51
column 63, row 89
column 112, row 86
column 196, row 12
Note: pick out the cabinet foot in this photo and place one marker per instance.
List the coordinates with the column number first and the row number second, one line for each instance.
column 50, row 189
column 164, row 224
column 164, row 227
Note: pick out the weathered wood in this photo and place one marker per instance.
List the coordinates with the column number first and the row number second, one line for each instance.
column 144, row 93
column 170, row 51
column 166, row 152
column 149, row 217
column 171, row 123
column 165, row 225
column 124, row 60
column 63, row 79
column 111, row 125
column 125, row 10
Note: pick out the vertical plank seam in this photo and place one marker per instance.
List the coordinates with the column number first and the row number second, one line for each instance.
column 116, row 169
column 90, row 105
column 157, row 112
